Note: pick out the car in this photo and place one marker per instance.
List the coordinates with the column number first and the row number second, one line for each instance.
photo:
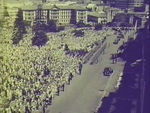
column 136, row 62
column 107, row 71
column 116, row 41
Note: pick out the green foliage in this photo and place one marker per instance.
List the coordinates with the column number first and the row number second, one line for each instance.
column 23, row 84
column 98, row 27
column 40, row 37
column 6, row 14
column 80, row 24
column 19, row 28
column 78, row 33
column 39, row 26
column 52, row 27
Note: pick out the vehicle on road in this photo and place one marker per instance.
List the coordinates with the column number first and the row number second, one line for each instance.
column 108, row 71
column 120, row 36
column 116, row 41
column 136, row 62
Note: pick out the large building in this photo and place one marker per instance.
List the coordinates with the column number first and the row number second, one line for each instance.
column 123, row 4
column 61, row 14
column 97, row 18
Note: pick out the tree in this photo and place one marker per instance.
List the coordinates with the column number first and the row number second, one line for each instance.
column 39, row 26
column 78, row 33
column 80, row 24
column 52, row 26
column 39, row 39
column 98, row 27
column 19, row 27
column 6, row 14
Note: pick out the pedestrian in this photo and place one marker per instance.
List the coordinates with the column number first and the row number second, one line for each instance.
column 43, row 109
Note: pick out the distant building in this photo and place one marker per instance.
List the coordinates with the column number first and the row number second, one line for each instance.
column 65, row 13
column 96, row 1
column 97, row 18
column 125, row 4
column 81, row 15
column 29, row 14
column 61, row 14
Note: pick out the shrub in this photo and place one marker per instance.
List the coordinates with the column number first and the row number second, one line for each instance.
column 19, row 27
column 39, row 39
column 98, row 27
column 78, row 33
column 80, row 24
column 52, row 26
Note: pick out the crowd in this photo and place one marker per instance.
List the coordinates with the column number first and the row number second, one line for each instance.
column 31, row 76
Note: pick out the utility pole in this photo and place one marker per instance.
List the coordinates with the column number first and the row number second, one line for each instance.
column 135, row 29
column 142, row 82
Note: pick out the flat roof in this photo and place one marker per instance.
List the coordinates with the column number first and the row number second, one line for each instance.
column 97, row 14
column 55, row 6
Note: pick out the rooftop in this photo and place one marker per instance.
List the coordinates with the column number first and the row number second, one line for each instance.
column 55, row 6
column 30, row 7
column 97, row 14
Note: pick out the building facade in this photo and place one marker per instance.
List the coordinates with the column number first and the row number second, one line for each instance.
column 29, row 15
column 41, row 15
column 124, row 4
column 61, row 15
column 81, row 15
column 97, row 18
column 64, row 17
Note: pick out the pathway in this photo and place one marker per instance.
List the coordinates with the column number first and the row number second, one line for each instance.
column 84, row 92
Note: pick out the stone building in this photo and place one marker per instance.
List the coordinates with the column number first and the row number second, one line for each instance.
column 62, row 15
column 29, row 14
column 97, row 18
column 125, row 4
column 81, row 15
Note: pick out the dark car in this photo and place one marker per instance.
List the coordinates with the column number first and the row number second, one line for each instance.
column 108, row 71
column 120, row 36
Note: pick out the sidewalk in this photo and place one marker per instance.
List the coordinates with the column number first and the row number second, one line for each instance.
column 85, row 91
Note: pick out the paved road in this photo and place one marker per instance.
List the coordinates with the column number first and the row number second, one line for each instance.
column 83, row 95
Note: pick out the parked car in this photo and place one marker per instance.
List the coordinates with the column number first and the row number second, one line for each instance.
column 120, row 36
column 136, row 62
column 108, row 71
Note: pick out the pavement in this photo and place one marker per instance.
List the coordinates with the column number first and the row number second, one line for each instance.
column 84, row 93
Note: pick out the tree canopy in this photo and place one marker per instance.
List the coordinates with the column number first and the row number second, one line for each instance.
column 19, row 28
column 98, row 27
column 40, row 37
column 52, row 27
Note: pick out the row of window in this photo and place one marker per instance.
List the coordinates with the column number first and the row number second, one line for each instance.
column 60, row 16
column 64, row 13
column 64, row 16
column 82, row 12
column 55, row 15
column 64, row 21
column 81, row 16
column 29, row 18
column 52, row 17
column 52, row 12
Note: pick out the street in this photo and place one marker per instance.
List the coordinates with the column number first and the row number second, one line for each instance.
column 85, row 91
